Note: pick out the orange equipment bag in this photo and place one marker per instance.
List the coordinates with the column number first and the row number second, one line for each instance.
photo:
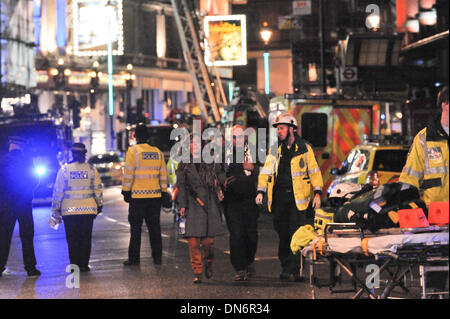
column 438, row 213
column 412, row 218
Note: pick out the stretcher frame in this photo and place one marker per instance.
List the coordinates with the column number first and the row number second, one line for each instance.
column 429, row 257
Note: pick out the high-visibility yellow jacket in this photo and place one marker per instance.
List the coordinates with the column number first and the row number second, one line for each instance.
column 305, row 173
column 78, row 190
column 172, row 167
column 145, row 172
column 427, row 166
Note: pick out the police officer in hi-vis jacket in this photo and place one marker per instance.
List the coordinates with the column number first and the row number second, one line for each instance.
column 144, row 183
column 77, row 199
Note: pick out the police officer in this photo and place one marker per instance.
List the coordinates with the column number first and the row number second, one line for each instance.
column 77, row 199
column 17, row 183
column 427, row 168
column 144, row 183
column 288, row 181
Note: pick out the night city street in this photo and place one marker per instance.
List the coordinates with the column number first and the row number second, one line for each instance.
column 276, row 152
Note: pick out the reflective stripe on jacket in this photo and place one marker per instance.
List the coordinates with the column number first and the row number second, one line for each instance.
column 427, row 167
column 305, row 173
column 78, row 190
column 145, row 172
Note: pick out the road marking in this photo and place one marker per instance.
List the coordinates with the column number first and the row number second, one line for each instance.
column 266, row 258
column 124, row 224
column 110, row 219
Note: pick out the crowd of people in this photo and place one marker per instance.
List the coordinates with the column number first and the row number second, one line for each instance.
column 291, row 182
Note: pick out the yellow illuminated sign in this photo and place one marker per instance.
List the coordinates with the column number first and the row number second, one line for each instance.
column 225, row 40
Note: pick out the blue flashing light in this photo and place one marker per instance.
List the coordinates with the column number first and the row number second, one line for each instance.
column 40, row 170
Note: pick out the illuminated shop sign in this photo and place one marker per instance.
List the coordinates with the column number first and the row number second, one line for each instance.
column 95, row 23
column 226, row 42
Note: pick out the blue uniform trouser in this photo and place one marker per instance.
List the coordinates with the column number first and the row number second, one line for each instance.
column 79, row 238
column 8, row 218
column 148, row 209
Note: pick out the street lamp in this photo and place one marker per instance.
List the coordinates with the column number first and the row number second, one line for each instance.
column 59, row 74
column 110, row 11
column 94, row 75
column 373, row 22
column 129, row 78
column 266, row 35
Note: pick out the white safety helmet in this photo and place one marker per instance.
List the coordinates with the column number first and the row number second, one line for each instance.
column 285, row 118
column 344, row 190
column 342, row 193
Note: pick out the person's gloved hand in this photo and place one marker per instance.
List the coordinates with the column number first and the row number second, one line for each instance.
column 166, row 200
column 259, row 199
column 126, row 196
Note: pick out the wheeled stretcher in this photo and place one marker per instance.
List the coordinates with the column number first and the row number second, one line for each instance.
column 390, row 255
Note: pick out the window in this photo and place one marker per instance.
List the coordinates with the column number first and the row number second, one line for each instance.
column 314, row 128
column 360, row 161
column 373, row 52
column 390, row 160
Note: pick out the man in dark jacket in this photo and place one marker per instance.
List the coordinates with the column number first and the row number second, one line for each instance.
column 16, row 195
column 241, row 209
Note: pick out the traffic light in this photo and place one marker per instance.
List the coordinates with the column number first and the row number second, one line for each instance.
column 76, row 117
column 74, row 105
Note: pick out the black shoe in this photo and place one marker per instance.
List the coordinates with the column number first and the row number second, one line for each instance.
column 251, row 270
column 197, row 279
column 208, row 270
column 2, row 269
column 284, row 276
column 130, row 263
column 85, row 269
column 241, row 275
column 33, row 273
column 157, row 261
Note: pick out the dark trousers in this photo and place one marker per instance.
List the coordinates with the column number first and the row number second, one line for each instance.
column 79, row 238
column 148, row 210
column 242, row 222
column 8, row 220
column 286, row 220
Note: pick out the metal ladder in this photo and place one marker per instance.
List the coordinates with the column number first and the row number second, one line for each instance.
column 188, row 25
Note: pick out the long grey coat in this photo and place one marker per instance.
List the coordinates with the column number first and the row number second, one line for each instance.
column 200, row 223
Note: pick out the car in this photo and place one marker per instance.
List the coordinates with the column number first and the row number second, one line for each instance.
column 374, row 163
column 109, row 166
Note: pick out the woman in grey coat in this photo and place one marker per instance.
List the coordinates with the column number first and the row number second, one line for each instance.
column 199, row 184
